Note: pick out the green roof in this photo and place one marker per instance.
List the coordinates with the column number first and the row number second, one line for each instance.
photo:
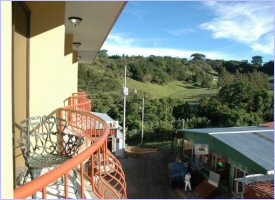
column 227, row 130
column 256, row 143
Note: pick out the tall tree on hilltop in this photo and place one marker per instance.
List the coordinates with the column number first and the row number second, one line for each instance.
column 198, row 56
column 257, row 60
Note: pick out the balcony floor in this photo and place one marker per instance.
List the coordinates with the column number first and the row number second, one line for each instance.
column 56, row 190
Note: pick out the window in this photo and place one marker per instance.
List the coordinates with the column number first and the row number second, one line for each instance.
column 238, row 173
column 187, row 148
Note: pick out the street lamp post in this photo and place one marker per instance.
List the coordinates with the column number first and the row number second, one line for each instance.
column 142, row 120
column 125, row 92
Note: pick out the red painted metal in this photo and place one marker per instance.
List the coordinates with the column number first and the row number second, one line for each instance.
column 44, row 193
column 82, row 180
column 113, row 131
column 104, row 170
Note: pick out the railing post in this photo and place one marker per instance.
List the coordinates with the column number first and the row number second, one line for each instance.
column 44, row 193
column 82, row 180
column 92, row 171
column 66, row 186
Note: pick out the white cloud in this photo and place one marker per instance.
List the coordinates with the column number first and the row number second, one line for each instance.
column 179, row 32
column 120, row 39
column 251, row 23
column 265, row 44
column 119, row 45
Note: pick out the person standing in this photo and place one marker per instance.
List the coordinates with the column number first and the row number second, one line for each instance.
column 187, row 180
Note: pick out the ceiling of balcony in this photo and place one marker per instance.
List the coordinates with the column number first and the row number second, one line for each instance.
column 98, row 20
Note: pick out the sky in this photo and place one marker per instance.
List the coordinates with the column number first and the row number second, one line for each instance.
column 218, row 29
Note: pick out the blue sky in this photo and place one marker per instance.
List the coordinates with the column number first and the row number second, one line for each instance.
column 220, row 30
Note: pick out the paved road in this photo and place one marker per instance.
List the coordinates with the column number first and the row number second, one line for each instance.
column 146, row 173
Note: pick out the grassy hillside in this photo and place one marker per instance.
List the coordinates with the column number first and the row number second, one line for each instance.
column 174, row 89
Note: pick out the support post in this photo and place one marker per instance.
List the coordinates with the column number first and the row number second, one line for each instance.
column 125, row 91
column 142, row 120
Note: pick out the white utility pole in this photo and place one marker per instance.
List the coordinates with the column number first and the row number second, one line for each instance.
column 125, row 92
column 142, row 120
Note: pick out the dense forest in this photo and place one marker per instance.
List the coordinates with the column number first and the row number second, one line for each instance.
column 238, row 93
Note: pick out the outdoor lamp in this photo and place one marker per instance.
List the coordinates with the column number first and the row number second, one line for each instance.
column 75, row 20
column 77, row 44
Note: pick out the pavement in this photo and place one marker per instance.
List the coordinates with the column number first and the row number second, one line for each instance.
column 146, row 173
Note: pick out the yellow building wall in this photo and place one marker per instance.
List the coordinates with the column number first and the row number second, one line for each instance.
column 53, row 77
column 6, row 102
column 20, row 80
column 71, row 68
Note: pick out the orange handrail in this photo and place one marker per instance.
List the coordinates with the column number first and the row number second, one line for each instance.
column 32, row 187
column 100, row 175
column 78, row 103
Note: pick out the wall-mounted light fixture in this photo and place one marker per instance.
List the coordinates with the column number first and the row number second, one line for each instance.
column 77, row 44
column 79, row 57
column 75, row 20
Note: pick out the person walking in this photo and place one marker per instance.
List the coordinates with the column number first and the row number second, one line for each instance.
column 187, row 180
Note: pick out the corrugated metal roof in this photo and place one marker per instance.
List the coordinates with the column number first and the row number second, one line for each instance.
column 256, row 143
column 258, row 147
column 103, row 116
column 227, row 129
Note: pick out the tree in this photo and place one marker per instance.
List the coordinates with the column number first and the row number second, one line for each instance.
column 198, row 56
column 102, row 53
column 182, row 110
column 237, row 94
column 258, row 79
column 225, row 78
column 268, row 68
column 257, row 60
column 197, row 122
column 206, row 81
column 217, row 65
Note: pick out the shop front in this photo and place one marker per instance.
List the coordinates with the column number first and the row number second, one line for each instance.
column 230, row 152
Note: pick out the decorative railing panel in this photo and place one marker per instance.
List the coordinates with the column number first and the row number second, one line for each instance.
column 95, row 163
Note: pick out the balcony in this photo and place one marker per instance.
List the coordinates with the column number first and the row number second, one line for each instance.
column 93, row 173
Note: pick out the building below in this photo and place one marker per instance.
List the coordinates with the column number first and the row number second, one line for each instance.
column 268, row 124
column 231, row 153
column 257, row 186
column 115, row 139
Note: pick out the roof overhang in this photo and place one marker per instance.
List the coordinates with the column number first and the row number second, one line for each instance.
column 98, row 20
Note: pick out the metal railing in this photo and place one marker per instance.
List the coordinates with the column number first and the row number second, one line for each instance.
column 78, row 101
column 95, row 163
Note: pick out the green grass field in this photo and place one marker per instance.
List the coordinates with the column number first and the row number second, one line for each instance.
column 174, row 89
